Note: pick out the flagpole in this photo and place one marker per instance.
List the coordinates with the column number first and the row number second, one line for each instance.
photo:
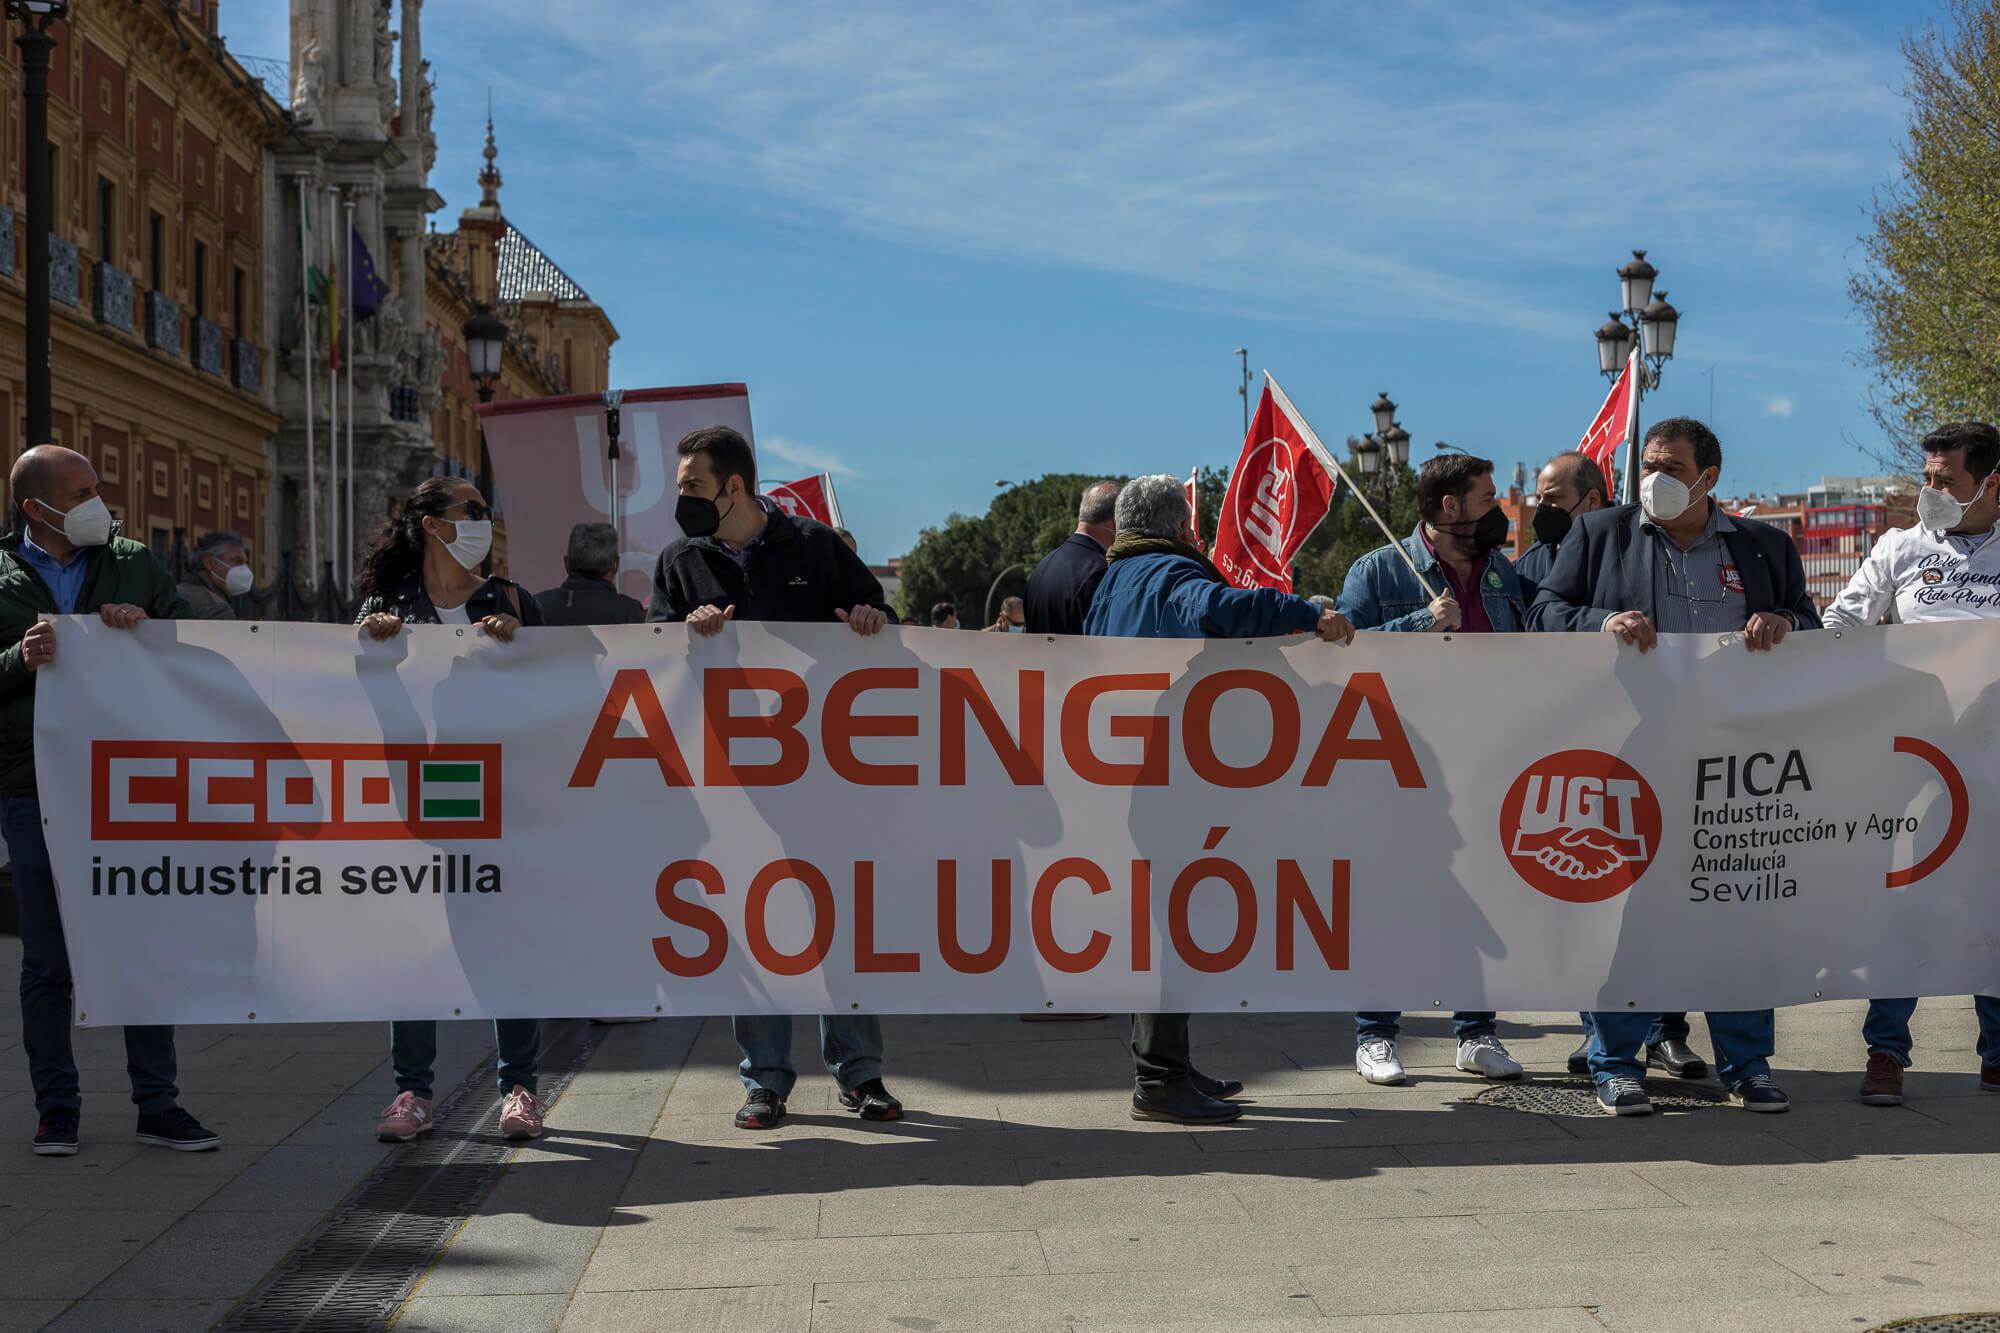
column 306, row 374
column 1630, row 488
column 347, row 563
column 333, row 403
column 1326, row 458
column 832, row 500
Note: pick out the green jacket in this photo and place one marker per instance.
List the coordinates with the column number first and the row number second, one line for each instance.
column 121, row 571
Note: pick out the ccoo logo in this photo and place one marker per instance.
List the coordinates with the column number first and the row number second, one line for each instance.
column 1580, row 825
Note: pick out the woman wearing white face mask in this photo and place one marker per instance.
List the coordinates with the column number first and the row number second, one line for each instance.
column 424, row 570
column 221, row 574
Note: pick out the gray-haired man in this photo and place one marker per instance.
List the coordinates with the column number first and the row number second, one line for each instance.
column 221, row 573
column 590, row 596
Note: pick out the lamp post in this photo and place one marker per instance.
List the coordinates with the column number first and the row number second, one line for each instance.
column 35, row 44
column 485, row 344
column 1242, row 354
column 1645, row 323
column 1385, row 451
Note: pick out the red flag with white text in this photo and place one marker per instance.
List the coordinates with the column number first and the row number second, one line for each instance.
column 811, row 497
column 1608, row 433
column 1278, row 493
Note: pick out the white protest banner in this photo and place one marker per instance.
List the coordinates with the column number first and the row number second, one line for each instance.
column 288, row 822
column 553, row 455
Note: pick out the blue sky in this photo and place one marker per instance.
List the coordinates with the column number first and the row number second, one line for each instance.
column 946, row 245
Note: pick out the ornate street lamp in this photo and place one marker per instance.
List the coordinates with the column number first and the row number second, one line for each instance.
column 1385, row 413
column 1397, row 441
column 35, row 43
column 1646, row 323
column 1368, row 455
column 485, row 344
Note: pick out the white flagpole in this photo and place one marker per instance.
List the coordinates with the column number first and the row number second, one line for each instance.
column 312, row 453
column 832, row 500
column 333, row 405
column 1326, row 458
column 347, row 563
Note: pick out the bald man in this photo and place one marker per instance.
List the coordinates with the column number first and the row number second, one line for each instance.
column 68, row 559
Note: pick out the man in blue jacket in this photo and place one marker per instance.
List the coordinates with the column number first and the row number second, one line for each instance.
column 1472, row 589
column 1160, row 586
column 1676, row 564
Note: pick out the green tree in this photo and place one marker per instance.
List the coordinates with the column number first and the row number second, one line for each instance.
column 968, row 560
column 1348, row 533
column 1930, row 293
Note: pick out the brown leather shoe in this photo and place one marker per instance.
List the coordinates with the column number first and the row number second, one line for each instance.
column 1882, row 1085
column 1989, row 1078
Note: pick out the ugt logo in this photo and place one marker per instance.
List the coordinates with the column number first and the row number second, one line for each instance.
column 1265, row 512
column 226, row 791
column 1580, row 825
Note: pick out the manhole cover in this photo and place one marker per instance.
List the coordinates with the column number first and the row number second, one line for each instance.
column 1578, row 1096
column 1943, row 1323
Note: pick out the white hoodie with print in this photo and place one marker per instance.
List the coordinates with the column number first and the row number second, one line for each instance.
column 1926, row 576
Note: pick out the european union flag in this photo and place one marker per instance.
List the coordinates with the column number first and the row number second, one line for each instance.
column 367, row 289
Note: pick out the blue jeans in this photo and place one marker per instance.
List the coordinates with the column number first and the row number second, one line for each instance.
column 1665, row 1026
column 413, row 1050
column 1744, row 1041
column 46, row 1009
column 1464, row 1025
column 1887, row 1028
column 850, row 1045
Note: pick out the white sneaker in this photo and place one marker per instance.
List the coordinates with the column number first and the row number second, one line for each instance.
column 1375, row 1060
column 1486, row 1057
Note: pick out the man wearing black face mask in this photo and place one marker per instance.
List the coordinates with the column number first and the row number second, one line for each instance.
column 1456, row 548
column 1570, row 486
column 743, row 558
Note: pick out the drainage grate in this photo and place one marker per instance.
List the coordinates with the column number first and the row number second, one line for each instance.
column 359, row 1266
column 1578, row 1096
column 1943, row 1323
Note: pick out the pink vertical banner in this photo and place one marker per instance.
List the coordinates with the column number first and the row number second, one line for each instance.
column 552, row 470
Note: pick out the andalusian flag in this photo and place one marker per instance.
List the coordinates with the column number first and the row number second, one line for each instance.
column 452, row 789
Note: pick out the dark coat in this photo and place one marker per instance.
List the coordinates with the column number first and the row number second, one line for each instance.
column 495, row 597
column 119, row 571
column 583, row 600
column 1605, row 565
column 1534, row 566
column 1059, row 590
column 800, row 571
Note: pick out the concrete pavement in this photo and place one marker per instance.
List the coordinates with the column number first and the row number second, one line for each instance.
column 1018, row 1194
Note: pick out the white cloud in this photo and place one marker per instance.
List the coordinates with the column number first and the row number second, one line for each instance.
column 1352, row 162
column 807, row 456
column 1778, row 406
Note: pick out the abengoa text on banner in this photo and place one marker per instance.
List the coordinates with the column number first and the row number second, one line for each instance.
column 288, row 822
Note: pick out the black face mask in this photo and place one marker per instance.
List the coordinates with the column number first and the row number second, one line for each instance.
column 698, row 516
column 1489, row 530
column 1552, row 523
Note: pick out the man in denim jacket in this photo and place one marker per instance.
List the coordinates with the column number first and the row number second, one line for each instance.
column 1456, row 547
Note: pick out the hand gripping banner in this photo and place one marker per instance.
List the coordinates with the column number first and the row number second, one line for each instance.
column 284, row 823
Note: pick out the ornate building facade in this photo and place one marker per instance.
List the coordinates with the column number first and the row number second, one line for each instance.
column 160, row 323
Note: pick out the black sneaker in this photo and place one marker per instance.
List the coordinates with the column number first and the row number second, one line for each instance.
column 1624, row 1096
column 56, row 1135
column 1759, row 1093
column 176, row 1129
column 872, row 1100
column 1579, row 1060
column 762, row 1109
column 1677, row 1058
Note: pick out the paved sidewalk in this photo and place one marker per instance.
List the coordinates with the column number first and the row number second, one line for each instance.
column 1018, row 1195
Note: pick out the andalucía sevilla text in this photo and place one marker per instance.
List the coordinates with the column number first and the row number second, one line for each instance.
column 287, row 822
column 1278, row 493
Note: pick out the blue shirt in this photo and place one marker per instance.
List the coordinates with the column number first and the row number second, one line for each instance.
column 65, row 578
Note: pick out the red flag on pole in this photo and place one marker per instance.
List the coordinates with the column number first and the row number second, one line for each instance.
column 811, row 498
column 1608, row 433
column 1278, row 493
column 1194, row 503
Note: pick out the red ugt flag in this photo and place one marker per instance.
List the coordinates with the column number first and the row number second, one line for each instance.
column 810, row 498
column 1608, row 432
column 1278, row 493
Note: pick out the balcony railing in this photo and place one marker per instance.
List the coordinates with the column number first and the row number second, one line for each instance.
column 208, row 346
column 163, row 323
column 112, row 289
column 63, row 276
column 246, row 366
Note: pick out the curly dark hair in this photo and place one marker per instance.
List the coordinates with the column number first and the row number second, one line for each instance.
column 396, row 557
